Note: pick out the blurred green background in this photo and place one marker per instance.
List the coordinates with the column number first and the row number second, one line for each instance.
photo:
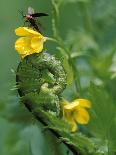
column 89, row 30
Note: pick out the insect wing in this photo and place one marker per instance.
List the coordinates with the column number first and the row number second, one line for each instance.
column 30, row 10
column 39, row 14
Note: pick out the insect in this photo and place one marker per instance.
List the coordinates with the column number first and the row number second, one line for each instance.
column 31, row 18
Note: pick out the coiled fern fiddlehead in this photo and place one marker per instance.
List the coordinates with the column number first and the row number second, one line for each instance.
column 43, row 75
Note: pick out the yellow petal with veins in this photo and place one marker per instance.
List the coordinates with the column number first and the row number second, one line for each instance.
column 25, row 31
column 37, row 44
column 81, row 116
column 22, row 45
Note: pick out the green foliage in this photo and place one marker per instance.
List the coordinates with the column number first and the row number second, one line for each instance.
column 102, row 126
column 84, row 33
column 102, row 69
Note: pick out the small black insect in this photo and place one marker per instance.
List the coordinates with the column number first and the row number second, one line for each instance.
column 31, row 18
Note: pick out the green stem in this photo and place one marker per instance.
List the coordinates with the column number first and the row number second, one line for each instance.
column 84, row 7
column 55, row 19
column 76, row 79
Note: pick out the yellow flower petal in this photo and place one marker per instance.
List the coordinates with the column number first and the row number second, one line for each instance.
column 67, row 116
column 37, row 44
column 22, row 45
column 82, row 103
column 25, row 31
column 81, row 116
column 64, row 102
column 73, row 127
column 71, row 106
column 75, row 112
column 31, row 42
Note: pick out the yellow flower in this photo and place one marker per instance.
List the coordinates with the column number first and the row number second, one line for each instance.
column 30, row 42
column 76, row 112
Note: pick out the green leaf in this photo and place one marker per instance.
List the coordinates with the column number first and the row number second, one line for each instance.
column 102, row 125
column 102, row 69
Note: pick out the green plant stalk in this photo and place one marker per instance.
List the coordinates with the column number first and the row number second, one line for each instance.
column 84, row 7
